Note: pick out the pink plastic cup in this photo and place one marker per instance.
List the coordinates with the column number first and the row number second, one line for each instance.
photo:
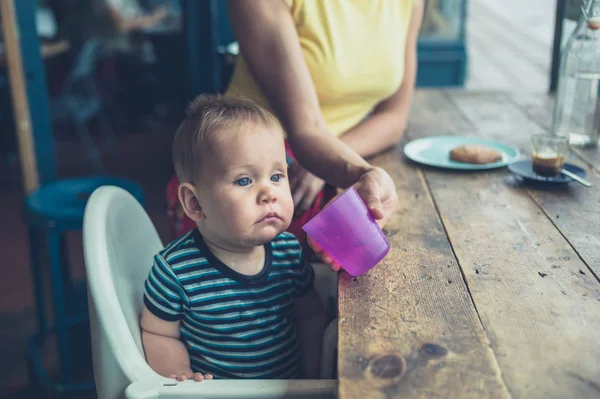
column 346, row 230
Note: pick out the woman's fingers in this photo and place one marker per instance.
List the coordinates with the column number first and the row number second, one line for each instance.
column 377, row 190
column 307, row 200
column 298, row 194
column 294, row 181
column 324, row 256
column 314, row 245
column 305, row 193
column 335, row 266
column 296, row 176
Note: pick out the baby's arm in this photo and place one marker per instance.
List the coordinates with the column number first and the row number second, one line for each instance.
column 165, row 352
column 310, row 319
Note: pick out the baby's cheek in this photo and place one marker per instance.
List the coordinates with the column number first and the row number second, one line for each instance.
column 288, row 207
column 232, row 212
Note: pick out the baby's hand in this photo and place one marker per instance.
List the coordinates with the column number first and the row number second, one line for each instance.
column 191, row 376
column 324, row 256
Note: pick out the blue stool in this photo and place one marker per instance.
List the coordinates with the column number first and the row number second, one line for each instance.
column 50, row 212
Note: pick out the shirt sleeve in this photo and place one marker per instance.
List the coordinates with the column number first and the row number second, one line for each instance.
column 304, row 277
column 163, row 294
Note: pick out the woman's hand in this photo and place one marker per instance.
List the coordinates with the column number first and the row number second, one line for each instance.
column 305, row 187
column 324, row 256
column 198, row 377
column 378, row 191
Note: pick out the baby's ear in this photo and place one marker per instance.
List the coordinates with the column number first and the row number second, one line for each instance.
column 188, row 198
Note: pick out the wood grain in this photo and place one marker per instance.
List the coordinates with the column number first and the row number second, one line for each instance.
column 539, row 303
column 509, row 44
column 572, row 208
column 433, row 114
column 495, row 116
column 408, row 327
column 412, row 328
column 499, row 57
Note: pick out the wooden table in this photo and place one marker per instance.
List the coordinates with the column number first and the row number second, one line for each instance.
column 491, row 286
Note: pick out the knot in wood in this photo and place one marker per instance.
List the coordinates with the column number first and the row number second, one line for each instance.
column 387, row 366
column 433, row 351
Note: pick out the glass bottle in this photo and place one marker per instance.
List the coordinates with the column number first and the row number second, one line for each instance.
column 577, row 109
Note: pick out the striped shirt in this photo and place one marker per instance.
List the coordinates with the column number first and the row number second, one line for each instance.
column 233, row 325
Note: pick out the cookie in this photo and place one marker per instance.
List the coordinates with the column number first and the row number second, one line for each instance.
column 475, row 154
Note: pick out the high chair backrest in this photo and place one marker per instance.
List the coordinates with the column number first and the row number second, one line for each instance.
column 119, row 244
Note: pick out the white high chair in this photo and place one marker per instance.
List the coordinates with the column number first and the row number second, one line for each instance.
column 119, row 244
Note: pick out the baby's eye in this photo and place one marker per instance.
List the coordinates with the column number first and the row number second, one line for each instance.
column 244, row 181
column 276, row 177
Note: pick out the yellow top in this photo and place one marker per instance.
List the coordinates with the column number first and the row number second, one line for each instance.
column 354, row 50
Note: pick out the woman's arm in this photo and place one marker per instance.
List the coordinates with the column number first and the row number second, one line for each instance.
column 270, row 46
column 385, row 126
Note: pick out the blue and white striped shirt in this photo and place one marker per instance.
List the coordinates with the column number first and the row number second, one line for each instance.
column 234, row 325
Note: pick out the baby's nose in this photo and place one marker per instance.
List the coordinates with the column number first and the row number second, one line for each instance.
column 267, row 195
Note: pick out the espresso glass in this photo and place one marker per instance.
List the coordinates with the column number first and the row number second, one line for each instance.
column 548, row 154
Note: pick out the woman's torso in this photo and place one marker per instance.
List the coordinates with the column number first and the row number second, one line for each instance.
column 354, row 50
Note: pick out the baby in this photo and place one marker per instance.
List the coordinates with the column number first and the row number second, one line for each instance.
column 234, row 297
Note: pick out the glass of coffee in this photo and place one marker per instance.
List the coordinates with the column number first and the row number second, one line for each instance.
column 548, row 154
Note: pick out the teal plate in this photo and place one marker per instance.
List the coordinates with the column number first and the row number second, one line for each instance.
column 435, row 151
